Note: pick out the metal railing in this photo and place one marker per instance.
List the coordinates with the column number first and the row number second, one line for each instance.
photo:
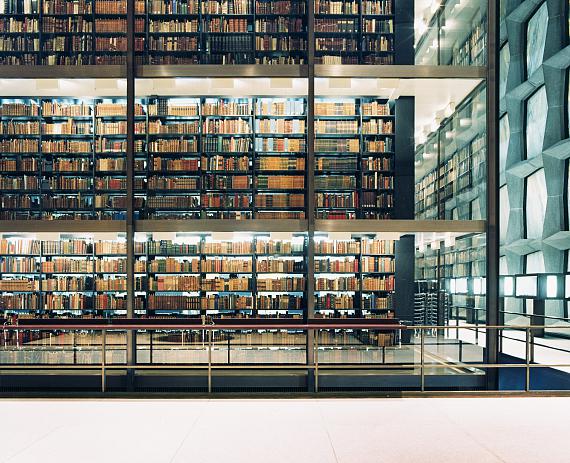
column 11, row 342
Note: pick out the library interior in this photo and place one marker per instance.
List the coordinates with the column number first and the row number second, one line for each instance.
column 291, row 196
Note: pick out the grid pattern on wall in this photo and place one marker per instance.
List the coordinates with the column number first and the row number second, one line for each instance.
column 535, row 143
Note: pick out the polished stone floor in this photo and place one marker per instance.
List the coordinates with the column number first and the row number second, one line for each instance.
column 456, row 430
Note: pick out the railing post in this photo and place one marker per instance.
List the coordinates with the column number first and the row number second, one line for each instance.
column 209, row 361
column 460, row 350
column 457, row 322
column 74, row 333
column 532, row 346
column 316, row 350
column 422, row 359
column 151, row 332
column 103, row 359
column 527, row 358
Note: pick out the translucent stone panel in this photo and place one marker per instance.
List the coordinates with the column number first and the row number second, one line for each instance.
column 504, row 207
column 504, row 137
column 504, row 61
column 536, row 39
column 535, row 262
column 503, row 267
column 535, row 204
column 536, row 109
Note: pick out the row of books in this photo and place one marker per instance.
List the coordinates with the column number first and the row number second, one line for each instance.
column 352, row 284
column 350, row 302
column 352, row 7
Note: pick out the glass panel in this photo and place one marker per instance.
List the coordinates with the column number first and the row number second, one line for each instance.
column 63, row 276
column 456, row 187
column 504, row 138
column 63, row 157
column 222, row 154
column 454, row 34
column 536, row 197
column 536, row 111
column 505, row 210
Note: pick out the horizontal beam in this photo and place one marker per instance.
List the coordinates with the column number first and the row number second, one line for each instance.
column 215, row 70
column 400, row 71
column 62, row 226
column 401, row 226
column 269, row 225
column 64, row 72
column 218, row 225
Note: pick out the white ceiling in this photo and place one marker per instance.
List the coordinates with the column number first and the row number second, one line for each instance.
column 433, row 96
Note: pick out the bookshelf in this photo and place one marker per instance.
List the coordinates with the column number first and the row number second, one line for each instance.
column 455, row 179
column 65, row 278
column 63, row 158
column 186, row 32
column 354, row 158
column 64, row 32
column 452, row 166
column 200, row 275
column 354, row 32
column 354, row 277
column 472, row 51
column 181, row 32
column 223, row 158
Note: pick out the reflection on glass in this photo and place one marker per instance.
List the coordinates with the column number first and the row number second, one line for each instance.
column 461, row 285
column 536, row 109
column 504, row 138
column 567, row 287
column 536, row 39
column 505, row 208
column 479, row 286
column 527, row 285
column 504, row 61
column 535, row 204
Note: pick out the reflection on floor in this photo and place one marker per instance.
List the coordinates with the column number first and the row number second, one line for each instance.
column 547, row 350
column 507, row 430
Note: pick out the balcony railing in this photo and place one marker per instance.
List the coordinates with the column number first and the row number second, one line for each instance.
column 316, row 347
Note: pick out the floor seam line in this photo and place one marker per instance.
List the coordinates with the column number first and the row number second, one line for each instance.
column 188, row 433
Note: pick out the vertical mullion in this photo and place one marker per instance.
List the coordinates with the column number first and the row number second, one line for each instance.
column 492, row 240
column 131, row 337
column 310, row 197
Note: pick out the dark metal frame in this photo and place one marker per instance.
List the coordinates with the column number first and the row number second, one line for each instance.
column 493, row 204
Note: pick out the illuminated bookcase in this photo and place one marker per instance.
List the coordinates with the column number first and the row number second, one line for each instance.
column 222, row 32
column 200, row 275
column 354, row 278
column 63, row 158
column 65, row 278
column 64, row 32
column 452, row 166
column 223, row 158
column 354, row 32
column 354, row 151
